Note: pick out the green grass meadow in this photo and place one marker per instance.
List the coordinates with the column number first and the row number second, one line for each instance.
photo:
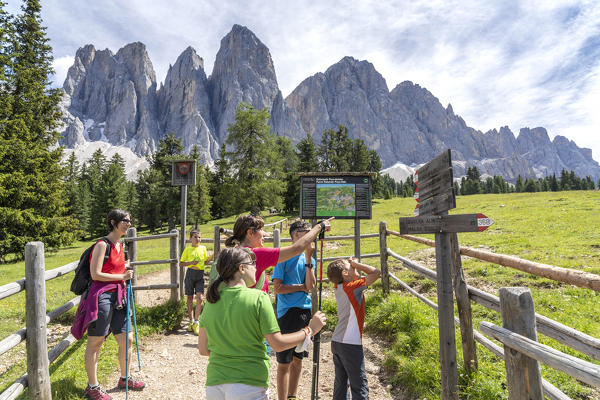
column 561, row 229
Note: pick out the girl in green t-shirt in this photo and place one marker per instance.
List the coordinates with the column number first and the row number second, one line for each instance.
column 233, row 326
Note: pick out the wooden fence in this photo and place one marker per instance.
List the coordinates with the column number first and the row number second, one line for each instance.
column 39, row 358
column 521, row 324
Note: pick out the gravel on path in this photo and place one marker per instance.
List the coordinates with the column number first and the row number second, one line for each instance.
column 172, row 367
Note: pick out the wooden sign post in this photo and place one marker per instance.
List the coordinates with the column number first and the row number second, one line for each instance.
column 435, row 196
column 183, row 173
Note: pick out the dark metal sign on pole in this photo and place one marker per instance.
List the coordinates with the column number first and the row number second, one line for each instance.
column 435, row 196
column 183, row 173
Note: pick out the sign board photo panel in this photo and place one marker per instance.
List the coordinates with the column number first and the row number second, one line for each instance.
column 339, row 196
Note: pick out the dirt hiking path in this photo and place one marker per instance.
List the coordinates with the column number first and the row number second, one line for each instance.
column 173, row 369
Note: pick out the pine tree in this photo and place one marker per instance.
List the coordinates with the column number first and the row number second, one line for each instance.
column 159, row 202
column 32, row 189
column 199, row 202
column 307, row 155
column 289, row 168
column 95, row 169
column 257, row 171
column 335, row 150
column 221, row 186
column 519, row 185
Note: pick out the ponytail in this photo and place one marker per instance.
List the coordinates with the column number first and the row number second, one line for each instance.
column 213, row 295
column 228, row 264
column 231, row 241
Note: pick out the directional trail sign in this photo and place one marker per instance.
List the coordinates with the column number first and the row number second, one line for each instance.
column 435, row 192
column 435, row 196
column 445, row 224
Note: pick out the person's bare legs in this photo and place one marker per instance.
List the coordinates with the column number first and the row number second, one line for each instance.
column 120, row 338
column 91, row 358
column 199, row 305
column 283, row 376
column 295, row 370
column 190, row 308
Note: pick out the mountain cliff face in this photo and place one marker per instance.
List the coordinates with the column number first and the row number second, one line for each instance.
column 244, row 71
column 114, row 98
column 184, row 105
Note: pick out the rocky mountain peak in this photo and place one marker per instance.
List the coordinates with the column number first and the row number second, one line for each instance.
column 244, row 71
column 351, row 71
column 113, row 98
column 184, row 105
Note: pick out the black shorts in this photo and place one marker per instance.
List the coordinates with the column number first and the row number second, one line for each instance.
column 292, row 321
column 109, row 316
column 194, row 281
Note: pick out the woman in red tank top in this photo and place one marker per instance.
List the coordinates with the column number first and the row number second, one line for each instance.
column 108, row 288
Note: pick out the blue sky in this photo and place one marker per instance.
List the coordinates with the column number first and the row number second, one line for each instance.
column 500, row 62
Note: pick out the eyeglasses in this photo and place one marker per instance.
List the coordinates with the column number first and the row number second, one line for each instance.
column 251, row 262
column 127, row 221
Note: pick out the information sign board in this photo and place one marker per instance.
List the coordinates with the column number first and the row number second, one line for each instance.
column 339, row 196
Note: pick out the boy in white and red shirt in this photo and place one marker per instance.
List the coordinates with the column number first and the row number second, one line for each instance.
column 346, row 343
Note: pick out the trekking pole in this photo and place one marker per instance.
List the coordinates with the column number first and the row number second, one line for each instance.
column 130, row 296
column 317, row 338
column 127, row 346
column 137, row 345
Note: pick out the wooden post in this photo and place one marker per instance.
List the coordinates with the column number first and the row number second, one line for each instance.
column 132, row 254
column 464, row 308
column 522, row 373
column 183, row 217
column 443, row 255
column 357, row 239
column 217, row 242
column 383, row 257
column 276, row 238
column 175, row 291
column 38, row 375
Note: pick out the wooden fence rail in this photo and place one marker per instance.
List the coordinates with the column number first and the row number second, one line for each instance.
column 551, row 391
column 570, row 337
column 571, row 276
column 573, row 366
column 38, row 357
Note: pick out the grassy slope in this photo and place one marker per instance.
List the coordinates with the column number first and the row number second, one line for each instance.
column 553, row 228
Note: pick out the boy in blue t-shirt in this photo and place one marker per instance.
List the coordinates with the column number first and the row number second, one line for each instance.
column 293, row 280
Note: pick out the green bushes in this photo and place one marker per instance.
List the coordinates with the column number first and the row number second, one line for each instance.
column 161, row 318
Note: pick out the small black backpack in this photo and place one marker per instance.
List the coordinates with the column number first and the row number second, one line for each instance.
column 83, row 279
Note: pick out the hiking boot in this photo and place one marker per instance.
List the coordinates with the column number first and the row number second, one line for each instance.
column 133, row 384
column 196, row 328
column 96, row 393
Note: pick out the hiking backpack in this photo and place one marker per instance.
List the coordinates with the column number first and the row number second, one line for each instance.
column 83, row 278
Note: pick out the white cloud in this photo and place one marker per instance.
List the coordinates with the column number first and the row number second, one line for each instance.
column 61, row 66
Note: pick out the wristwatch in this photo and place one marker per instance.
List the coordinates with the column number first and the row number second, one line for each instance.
column 309, row 266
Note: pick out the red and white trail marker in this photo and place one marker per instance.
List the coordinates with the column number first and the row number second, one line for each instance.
column 483, row 222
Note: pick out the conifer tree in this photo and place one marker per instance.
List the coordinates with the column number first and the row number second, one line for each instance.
column 32, row 189
column 289, row 167
column 307, row 155
column 159, row 202
column 221, row 187
column 257, row 171
column 199, row 201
